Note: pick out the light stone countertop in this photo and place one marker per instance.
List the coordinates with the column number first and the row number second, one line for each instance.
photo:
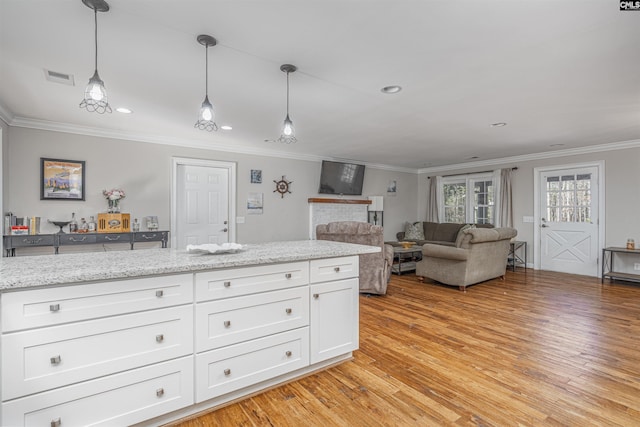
column 44, row 270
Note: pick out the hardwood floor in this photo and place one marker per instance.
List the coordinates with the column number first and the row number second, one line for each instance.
column 539, row 349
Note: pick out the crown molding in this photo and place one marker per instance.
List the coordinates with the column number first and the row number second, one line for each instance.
column 535, row 156
column 29, row 123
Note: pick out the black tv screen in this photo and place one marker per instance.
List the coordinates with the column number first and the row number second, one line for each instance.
column 341, row 178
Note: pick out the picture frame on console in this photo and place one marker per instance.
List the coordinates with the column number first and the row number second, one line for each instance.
column 62, row 179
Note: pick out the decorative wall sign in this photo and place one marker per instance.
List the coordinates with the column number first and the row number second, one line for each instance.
column 392, row 187
column 254, row 204
column 61, row 179
column 282, row 186
column 256, row 176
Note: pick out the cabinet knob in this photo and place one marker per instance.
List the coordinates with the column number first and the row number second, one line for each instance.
column 288, row 353
column 227, row 323
column 227, row 284
column 56, row 423
column 54, row 307
column 288, row 311
column 316, row 296
column 160, row 392
column 336, row 269
column 159, row 338
column 55, row 360
column 160, row 293
column 227, row 372
column 288, row 275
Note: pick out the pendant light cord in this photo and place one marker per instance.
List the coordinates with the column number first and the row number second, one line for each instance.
column 287, row 93
column 95, row 38
column 206, row 70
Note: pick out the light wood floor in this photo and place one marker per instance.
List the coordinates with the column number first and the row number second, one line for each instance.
column 539, row 349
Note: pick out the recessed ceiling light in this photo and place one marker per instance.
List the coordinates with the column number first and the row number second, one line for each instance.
column 124, row 110
column 556, row 145
column 473, row 158
column 226, row 127
column 498, row 125
column 391, row 89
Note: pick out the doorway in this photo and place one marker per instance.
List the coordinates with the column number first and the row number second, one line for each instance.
column 569, row 209
column 203, row 202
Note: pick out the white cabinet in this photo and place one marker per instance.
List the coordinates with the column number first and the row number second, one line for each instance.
column 334, row 309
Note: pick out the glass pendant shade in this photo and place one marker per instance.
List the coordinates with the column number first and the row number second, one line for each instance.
column 206, row 118
column 95, row 95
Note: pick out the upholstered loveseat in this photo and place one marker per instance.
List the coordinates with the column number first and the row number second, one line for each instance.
column 375, row 269
column 441, row 233
column 480, row 254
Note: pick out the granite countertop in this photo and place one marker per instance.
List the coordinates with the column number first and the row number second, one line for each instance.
column 44, row 270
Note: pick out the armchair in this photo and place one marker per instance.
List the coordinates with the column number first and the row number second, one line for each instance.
column 375, row 269
column 480, row 254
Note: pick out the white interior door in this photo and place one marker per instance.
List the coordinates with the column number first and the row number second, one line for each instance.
column 569, row 210
column 202, row 209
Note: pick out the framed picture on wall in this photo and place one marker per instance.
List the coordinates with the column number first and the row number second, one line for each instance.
column 62, row 179
column 256, row 176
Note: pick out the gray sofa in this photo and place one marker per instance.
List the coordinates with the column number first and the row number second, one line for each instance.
column 480, row 254
column 440, row 233
column 375, row 269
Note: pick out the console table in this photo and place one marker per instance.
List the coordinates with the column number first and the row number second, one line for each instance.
column 517, row 254
column 404, row 260
column 68, row 239
column 608, row 268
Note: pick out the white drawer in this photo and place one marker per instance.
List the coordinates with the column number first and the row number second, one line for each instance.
column 52, row 306
column 42, row 359
column 324, row 270
column 116, row 400
column 249, row 280
column 232, row 368
column 223, row 322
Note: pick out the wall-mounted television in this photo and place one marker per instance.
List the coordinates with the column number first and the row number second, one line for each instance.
column 341, row 178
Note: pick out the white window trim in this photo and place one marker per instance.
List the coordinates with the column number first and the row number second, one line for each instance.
column 493, row 176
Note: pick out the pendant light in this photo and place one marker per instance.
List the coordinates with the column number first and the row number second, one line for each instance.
column 95, row 96
column 288, row 135
column 206, row 118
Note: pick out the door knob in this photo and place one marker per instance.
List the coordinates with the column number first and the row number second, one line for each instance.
column 544, row 225
column 225, row 229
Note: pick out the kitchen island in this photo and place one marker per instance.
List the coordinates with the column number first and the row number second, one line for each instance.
column 151, row 336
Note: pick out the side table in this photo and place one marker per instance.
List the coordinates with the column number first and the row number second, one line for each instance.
column 404, row 260
column 517, row 254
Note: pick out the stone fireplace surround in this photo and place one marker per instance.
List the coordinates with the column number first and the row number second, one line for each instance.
column 325, row 210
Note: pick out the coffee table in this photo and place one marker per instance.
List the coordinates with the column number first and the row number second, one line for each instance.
column 404, row 260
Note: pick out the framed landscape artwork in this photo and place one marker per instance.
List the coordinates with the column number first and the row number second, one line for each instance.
column 62, row 179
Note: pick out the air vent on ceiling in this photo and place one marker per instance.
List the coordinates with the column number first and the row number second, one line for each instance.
column 54, row 76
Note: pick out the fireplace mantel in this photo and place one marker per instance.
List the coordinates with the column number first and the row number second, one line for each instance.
column 344, row 201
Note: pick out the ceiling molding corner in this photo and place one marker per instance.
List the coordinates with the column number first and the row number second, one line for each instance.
column 6, row 115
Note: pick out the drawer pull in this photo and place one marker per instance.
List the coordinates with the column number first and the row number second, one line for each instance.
column 159, row 338
column 55, row 360
column 288, row 353
column 149, row 236
column 160, row 392
column 56, row 423
column 336, row 269
column 288, row 275
column 112, row 238
column 54, row 307
column 227, row 284
column 227, row 372
column 316, row 296
column 288, row 311
column 160, row 293
column 227, row 323
column 32, row 241
column 76, row 239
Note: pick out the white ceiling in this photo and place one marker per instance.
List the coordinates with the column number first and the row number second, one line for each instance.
column 558, row 72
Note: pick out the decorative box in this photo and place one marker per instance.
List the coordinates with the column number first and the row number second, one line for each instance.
column 114, row 223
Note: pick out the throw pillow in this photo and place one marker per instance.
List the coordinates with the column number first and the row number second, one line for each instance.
column 413, row 231
column 461, row 234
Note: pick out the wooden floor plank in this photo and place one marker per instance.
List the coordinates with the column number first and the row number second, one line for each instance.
column 537, row 349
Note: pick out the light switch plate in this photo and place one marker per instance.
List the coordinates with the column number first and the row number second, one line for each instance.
column 527, row 219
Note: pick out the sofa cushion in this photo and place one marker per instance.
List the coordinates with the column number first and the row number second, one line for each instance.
column 461, row 234
column 413, row 231
column 429, row 228
column 447, row 231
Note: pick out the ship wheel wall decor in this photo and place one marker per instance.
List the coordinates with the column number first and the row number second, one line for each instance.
column 282, row 186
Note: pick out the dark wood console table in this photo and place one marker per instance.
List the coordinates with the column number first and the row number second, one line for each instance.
column 68, row 239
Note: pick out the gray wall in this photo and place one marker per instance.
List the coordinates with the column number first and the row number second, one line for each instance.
column 143, row 170
column 622, row 193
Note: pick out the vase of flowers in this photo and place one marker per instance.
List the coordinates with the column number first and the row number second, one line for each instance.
column 113, row 197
